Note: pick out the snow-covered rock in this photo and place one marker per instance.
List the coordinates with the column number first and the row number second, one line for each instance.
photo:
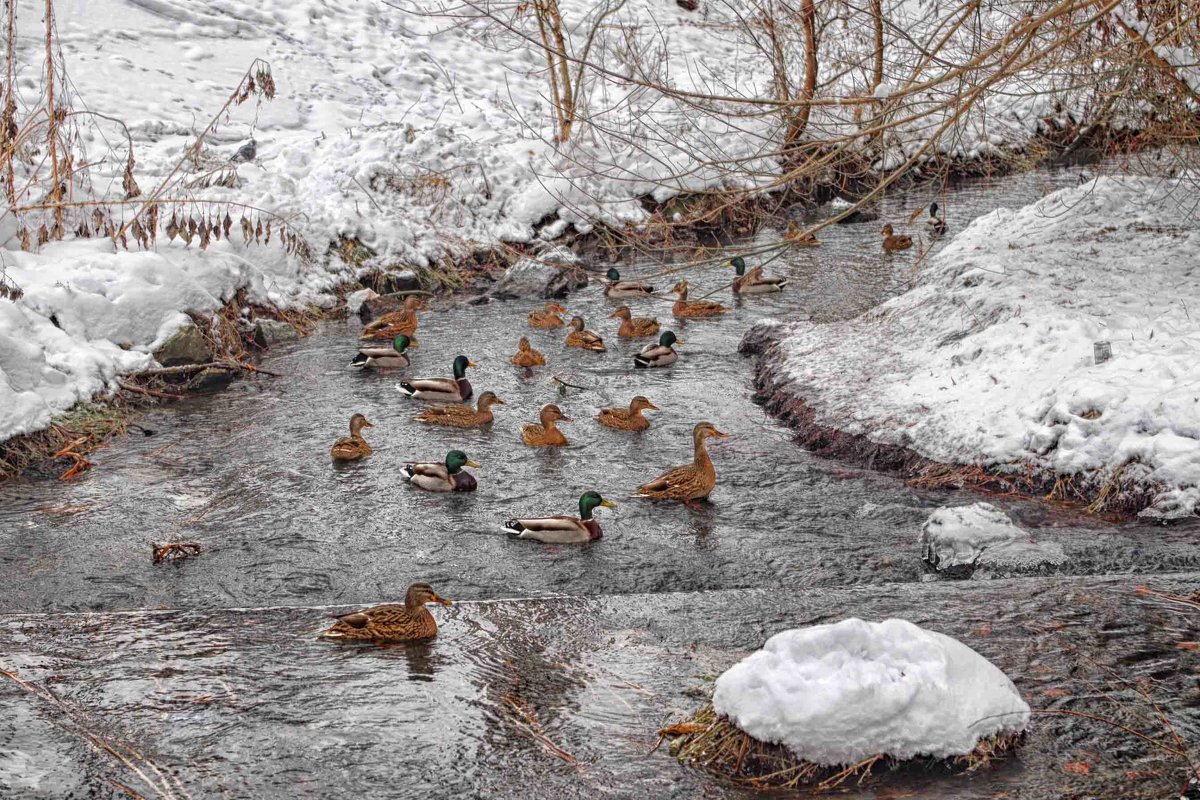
column 957, row 541
column 355, row 300
column 836, row 694
column 551, row 272
column 989, row 358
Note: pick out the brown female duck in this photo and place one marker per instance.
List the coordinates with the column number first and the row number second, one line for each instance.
column 394, row 323
column 546, row 433
column 354, row 446
column 461, row 415
column 694, row 308
column 390, row 623
column 892, row 242
column 586, row 340
column 628, row 419
column 634, row 327
column 690, row 482
column 527, row 356
column 549, row 318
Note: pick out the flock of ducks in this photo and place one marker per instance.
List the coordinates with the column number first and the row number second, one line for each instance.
column 689, row 483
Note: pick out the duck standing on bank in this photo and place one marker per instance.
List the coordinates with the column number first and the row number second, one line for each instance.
column 691, row 482
column 753, row 282
column 444, row 390
column 448, row 476
column 395, row 323
column 354, row 446
column 563, row 530
column 658, row 355
column 392, row 622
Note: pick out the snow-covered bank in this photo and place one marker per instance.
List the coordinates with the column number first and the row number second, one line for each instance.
column 989, row 358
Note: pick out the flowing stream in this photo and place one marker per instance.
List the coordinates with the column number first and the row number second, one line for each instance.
column 208, row 671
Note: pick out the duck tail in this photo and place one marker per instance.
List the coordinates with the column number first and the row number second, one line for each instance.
column 514, row 528
column 407, row 389
column 641, row 361
column 359, row 360
column 407, row 472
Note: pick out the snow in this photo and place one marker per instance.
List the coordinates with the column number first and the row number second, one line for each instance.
column 981, row 535
column 989, row 357
column 838, row 693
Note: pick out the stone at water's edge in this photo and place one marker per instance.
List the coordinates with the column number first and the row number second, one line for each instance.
column 268, row 332
column 956, row 542
column 552, row 272
column 187, row 346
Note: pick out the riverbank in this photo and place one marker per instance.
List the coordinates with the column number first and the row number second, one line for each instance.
column 986, row 371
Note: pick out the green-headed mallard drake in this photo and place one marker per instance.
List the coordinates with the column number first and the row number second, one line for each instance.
column 395, row 323
column 549, row 318
column 545, row 433
column 892, row 242
column 937, row 225
column 390, row 623
column 385, row 357
column 585, row 340
column 658, row 355
column 799, row 238
column 753, row 282
column 563, row 530
column 461, row 415
column 694, row 308
column 628, row 419
column 690, row 482
column 527, row 356
column 444, row 477
column 354, row 446
column 634, row 327
column 615, row 287
column 445, row 390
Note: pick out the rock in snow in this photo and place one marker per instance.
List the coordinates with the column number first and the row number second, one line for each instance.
column 552, row 272
column 836, row 694
column 956, row 541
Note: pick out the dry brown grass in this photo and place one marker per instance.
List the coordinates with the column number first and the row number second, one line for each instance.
column 710, row 741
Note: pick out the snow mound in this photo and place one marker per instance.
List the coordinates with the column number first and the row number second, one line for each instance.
column 838, row 693
column 990, row 357
column 955, row 541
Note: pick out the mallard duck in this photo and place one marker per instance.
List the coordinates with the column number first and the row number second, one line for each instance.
column 446, row 390
column 658, row 355
column 690, row 482
column 799, row 237
column 634, row 327
column 615, row 287
column 390, row 623
column 563, row 530
column 354, row 446
column 937, row 225
column 546, row 433
column 461, row 415
column 694, row 308
column 447, row 477
column 628, row 419
column 586, row 340
column 753, row 282
column 385, row 357
column 893, row 242
column 549, row 318
column 527, row 356
column 395, row 323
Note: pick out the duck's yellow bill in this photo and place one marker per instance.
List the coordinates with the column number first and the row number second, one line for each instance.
column 413, row 344
column 608, row 504
column 442, row 601
column 471, row 463
column 472, row 364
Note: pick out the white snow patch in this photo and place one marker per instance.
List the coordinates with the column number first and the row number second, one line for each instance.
column 989, row 358
column 981, row 535
column 838, row 693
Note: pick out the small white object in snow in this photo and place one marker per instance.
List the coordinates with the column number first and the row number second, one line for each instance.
column 962, row 538
column 836, row 694
column 354, row 302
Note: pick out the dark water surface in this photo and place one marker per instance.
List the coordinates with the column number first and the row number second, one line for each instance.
column 245, row 703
